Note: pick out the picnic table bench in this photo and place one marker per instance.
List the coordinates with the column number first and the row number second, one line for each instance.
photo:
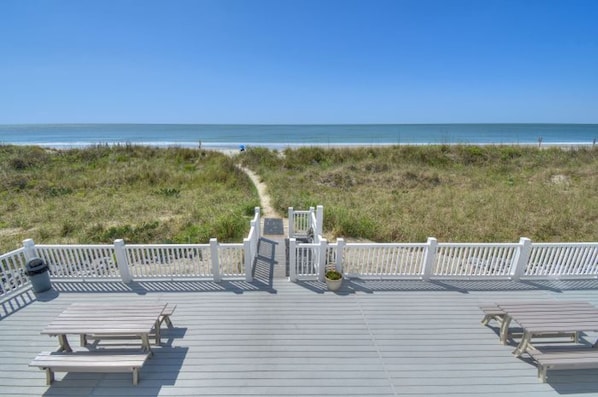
column 571, row 357
column 541, row 319
column 548, row 319
column 103, row 321
column 497, row 313
column 492, row 312
column 90, row 361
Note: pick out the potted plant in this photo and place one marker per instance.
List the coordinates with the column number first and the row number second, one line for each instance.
column 334, row 279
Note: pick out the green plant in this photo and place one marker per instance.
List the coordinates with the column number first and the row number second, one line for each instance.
column 101, row 193
column 452, row 192
column 169, row 192
column 333, row 275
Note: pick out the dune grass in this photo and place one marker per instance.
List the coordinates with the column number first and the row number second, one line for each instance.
column 140, row 194
column 401, row 193
column 455, row 193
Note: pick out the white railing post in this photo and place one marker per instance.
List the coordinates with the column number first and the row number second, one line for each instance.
column 291, row 222
column 253, row 226
column 521, row 258
column 292, row 259
column 319, row 220
column 122, row 262
column 340, row 251
column 29, row 249
column 322, row 249
column 249, row 257
column 258, row 221
column 215, row 262
column 429, row 258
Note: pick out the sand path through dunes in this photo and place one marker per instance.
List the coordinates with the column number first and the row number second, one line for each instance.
column 267, row 210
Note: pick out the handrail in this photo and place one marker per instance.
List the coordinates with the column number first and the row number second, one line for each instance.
column 451, row 260
column 12, row 266
column 134, row 261
column 215, row 260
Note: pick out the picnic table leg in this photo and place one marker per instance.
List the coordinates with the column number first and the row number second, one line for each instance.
column 542, row 373
column 145, row 344
column 49, row 376
column 524, row 344
column 168, row 322
column 157, row 327
column 504, row 329
column 64, row 344
column 486, row 319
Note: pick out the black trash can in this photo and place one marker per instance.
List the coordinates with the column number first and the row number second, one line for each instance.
column 38, row 272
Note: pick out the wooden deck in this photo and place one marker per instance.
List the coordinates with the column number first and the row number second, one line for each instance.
column 276, row 338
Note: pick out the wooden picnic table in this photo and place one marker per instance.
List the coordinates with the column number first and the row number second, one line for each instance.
column 548, row 318
column 116, row 320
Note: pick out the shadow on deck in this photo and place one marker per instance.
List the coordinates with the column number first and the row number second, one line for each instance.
column 370, row 286
column 162, row 370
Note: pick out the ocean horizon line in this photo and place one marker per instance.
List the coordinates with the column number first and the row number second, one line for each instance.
column 279, row 146
column 499, row 123
column 283, row 136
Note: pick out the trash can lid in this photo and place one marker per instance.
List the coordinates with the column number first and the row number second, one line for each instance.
column 34, row 263
column 36, row 266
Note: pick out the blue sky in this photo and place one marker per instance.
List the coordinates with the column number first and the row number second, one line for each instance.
column 292, row 61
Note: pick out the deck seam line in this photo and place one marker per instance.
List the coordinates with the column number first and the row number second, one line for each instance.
column 374, row 341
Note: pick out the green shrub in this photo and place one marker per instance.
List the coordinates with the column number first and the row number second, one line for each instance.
column 452, row 192
column 102, row 193
column 229, row 227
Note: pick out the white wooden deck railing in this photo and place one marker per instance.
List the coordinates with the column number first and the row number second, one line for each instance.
column 167, row 260
column 300, row 222
column 251, row 243
column 365, row 260
column 231, row 261
column 572, row 260
column 456, row 259
column 429, row 260
column 134, row 261
column 12, row 270
column 141, row 261
column 433, row 260
column 76, row 261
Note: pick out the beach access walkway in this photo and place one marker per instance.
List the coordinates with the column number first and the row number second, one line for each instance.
column 272, row 256
column 262, row 190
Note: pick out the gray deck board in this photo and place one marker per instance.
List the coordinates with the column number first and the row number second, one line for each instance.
column 375, row 338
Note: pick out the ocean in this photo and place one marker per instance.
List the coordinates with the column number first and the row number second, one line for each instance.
column 283, row 136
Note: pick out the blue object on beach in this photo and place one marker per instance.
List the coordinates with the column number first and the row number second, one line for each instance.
column 242, row 148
